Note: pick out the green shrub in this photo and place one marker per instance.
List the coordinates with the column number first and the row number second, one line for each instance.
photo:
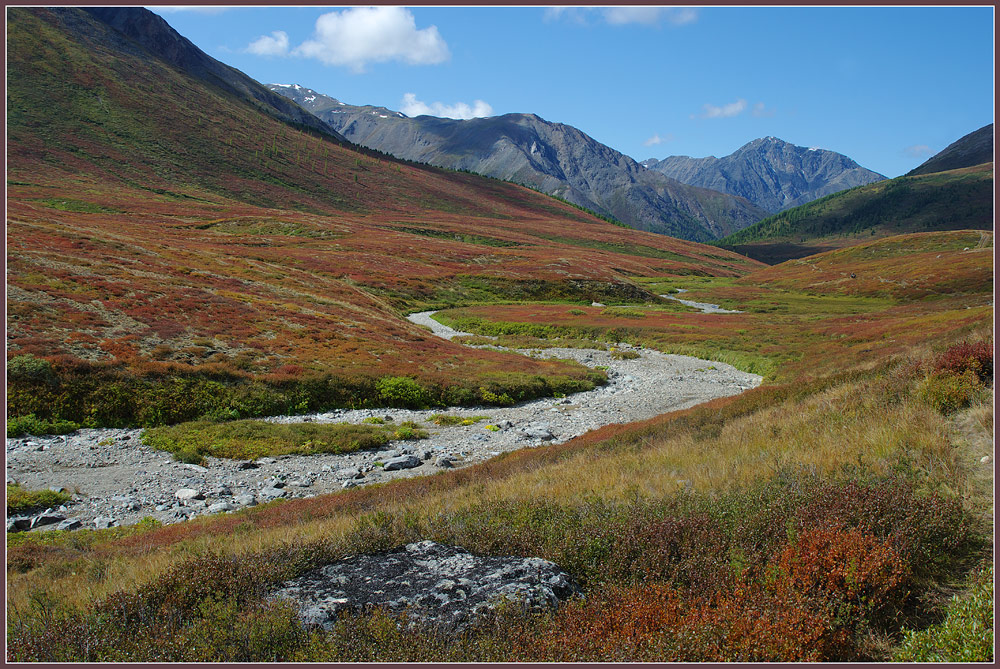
column 965, row 635
column 374, row 420
column 20, row 500
column 251, row 439
column 948, row 392
column 401, row 391
column 31, row 425
column 29, row 368
column 624, row 355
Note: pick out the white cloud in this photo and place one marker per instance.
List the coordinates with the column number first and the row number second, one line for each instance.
column 362, row 35
column 760, row 109
column 649, row 16
column 276, row 45
column 918, row 151
column 725, row 111
column 460, row 110
column 198, row 9
column 656, row 139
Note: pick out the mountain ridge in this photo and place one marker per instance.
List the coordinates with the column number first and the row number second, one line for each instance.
column 554, row 158
column 770, row 172
column 975, row 148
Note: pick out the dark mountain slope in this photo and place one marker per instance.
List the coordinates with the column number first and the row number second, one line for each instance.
column 551, row 157
column 975, row 148
column 769, row 172
column 954, row 200
column 156, row 36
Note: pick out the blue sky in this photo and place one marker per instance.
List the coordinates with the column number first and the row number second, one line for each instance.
column 886, row 86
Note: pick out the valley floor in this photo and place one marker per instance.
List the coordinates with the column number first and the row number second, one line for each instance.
column 116, row 479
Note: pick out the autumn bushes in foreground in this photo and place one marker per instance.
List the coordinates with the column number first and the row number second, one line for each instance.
column 795, row 569
column 958, row 376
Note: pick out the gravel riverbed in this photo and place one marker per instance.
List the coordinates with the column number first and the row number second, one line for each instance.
column 116, row 480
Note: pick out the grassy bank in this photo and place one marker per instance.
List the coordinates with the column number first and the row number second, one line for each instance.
column 795, row 522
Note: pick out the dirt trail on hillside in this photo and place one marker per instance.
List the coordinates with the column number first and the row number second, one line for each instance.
column 116, row 480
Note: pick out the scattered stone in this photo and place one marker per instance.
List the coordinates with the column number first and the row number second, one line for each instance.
column 350, row 483
column 539, row 431
column 219, row 507
column 986, row 459
column 103, row 523
column 350, row 473
column 69, row 524
column 444, row 461
column 268, row 494
column 266, row 461
column 430, row 582
column 244, row 499
column 197, row 468
column 402, row 462
column 243, row 466
column 18, row 524
column 47, row 518
column 186, row 494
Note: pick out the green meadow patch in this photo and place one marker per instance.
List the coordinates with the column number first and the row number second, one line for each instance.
column 20, row 499
column 251, row 439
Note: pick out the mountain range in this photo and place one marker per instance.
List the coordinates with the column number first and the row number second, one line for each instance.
column 554, row 158
column 953, row 190
column 772, row 173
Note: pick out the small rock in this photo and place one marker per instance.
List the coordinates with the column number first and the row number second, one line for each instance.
column 197, row 468
column 402, row 462
column 46, row 519
column 350, row 483
column 69, row 524
column 243, row 466
column 444, row 461
column 268, row 494
column 266, row 461
column 55, row 488
column 302, row 483
column 103, row 522
column 350, row 473
column 219, row 507
column 18, row 524
column 986, row 459
column 244, row 499
column 186, row 494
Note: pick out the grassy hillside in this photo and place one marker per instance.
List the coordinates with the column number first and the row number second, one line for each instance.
column 816, row 518
column 953, row 200
column 173, row 251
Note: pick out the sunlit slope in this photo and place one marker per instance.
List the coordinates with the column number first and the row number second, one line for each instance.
column 801, row 319
column 161, row 225
column 959, row 199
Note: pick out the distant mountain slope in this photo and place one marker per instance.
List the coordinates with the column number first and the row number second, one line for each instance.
column 953, row 200
column 551, row 157
column 975, row 148
column 771, row 173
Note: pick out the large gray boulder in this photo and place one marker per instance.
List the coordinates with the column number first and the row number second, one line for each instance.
column 432, row 583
